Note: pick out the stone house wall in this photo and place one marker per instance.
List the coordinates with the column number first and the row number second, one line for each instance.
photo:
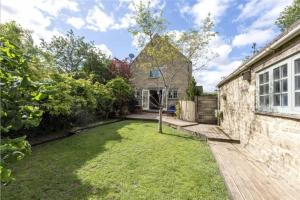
column 181, row 68
column 274, row 140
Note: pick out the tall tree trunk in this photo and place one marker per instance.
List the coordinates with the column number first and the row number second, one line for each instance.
column 160, row 119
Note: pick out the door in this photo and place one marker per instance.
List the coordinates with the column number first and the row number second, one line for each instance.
column 145, row 99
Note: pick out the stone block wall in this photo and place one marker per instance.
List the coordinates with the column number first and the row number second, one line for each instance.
column 274, row 140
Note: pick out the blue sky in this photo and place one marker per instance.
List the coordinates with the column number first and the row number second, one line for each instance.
column 238, row 23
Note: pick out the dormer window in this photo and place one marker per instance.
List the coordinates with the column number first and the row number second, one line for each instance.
column 154, row 73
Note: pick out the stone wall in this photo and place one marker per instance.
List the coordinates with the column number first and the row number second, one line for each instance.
column 177, row 75
column 274, row 140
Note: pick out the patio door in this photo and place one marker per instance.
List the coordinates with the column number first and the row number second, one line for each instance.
column 145, row 99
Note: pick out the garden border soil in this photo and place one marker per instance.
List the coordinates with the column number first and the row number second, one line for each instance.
column 74, row 131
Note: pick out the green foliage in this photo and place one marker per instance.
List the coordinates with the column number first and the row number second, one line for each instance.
column 193, row 90
column 122, row 93
column 289, row 15
column 69, row 52
column 96, row 66
column 11, row 150
column 19, row 105
column 37, row 97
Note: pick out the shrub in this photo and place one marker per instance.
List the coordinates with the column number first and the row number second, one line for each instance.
column 122, row 93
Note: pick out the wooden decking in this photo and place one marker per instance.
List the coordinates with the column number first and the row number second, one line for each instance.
column 248, row 179
column 210, row 132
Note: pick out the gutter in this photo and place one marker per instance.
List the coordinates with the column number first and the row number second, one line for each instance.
column 282, row 39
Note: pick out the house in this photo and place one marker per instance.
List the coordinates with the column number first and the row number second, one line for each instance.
column 260, row 102
column 148, row 83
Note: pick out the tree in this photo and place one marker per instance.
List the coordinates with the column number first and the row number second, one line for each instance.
column 69, row 52
column 193, row 90
column 120, row 68
column 19, row 105
column 96, row 66
column 122, row 93
column 162, row 47
column 289, row 15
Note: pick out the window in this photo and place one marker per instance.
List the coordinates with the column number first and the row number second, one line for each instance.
column 173, row 94
column 154, row 73
column 297, row 82
column 264, row 98
column 138, row 94
column 278, row 87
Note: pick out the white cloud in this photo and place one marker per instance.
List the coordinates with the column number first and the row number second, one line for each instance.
column 258, row 36
column 76, row 22
column 202, row 8
column 211, row 77
column 153, row 3
column 98, row 20
column 104, row 49
column 254, row 8
column 219, row 67
column 35, row 15
column 125, row 22
column 53, row 7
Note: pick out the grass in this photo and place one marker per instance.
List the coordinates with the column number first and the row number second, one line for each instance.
column 124, row 160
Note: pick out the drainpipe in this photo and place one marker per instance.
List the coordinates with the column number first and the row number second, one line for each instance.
column 218, row 106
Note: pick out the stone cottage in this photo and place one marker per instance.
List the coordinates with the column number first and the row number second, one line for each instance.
column 147, row 79
column 260, row 102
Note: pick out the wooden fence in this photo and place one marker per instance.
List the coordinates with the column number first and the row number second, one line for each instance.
column 205, row 109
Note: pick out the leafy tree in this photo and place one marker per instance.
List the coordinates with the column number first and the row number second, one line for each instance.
column 96, row 66
column 122, row 93
column 289, row 15
column 193, row 90
column 19, row 105
column 162, row 48
column 69, row 52
column 120, row 68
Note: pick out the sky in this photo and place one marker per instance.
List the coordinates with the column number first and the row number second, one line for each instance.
column 239, row 23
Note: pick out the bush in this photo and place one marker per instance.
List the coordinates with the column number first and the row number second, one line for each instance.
column 122, row 94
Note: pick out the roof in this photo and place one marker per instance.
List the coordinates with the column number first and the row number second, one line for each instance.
column 156, row 36
column 282, row 39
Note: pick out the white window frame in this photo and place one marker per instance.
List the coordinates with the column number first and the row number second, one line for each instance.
column 290, row 108
column 171, row 93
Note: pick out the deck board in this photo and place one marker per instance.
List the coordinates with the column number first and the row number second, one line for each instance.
column 247, row 178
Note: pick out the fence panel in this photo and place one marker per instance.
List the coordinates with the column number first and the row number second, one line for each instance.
column 205, row 109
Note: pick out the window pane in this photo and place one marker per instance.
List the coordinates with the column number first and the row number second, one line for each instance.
column 297, row 99
column 276, row 73
column 297, row 82
column 261, row 100
column 284, row 85
column 261, row 89
column 276, row 100
column 284, row 70
column 266, row 89
column 297, row 66
column 267, row 100
column 284, row 99
column 266, row 77
column 261, row 78
column 276, row 86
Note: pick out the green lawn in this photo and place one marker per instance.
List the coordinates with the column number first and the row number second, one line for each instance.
column 124, row 160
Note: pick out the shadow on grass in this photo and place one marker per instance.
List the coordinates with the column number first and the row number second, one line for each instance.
column 50, row 172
